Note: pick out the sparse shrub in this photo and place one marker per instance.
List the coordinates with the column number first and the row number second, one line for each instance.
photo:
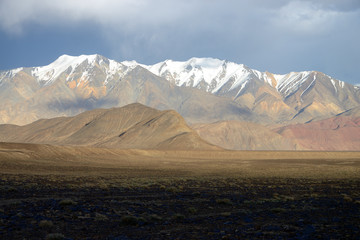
column 224, row 201
column 129, row 220
column 347, row 198
column 46, row 224
column 278, row 210
column 8, row 189
column 100, row 217
column 279, row 197
column 103, row 185
column 226, row 214
column 142, row 220
column 55, row 236
column 288, row 198
column 67, row 202
column 249, row 202
column 314, row 195
column 12, row 189
column 192, row 210
column 178, row 217
column 173, row 189
column 276, row 196
column 154, row 218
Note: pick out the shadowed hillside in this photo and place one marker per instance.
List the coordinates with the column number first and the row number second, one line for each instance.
column 132, row 126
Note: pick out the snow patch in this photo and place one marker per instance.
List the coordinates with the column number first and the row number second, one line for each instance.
column 241, row 88
column 237, row 73
column 9, row 74
column 113, row 69
column 292, row 82
column 334, row 84
column 308, row 87
column 279, row 77
column 132, row 64
column 342, row 84
column 241, row 77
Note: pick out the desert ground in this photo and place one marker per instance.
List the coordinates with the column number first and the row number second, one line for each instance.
column 64, row 192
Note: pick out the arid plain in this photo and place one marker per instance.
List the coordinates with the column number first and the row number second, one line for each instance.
column 35, row 159
column 65, row 192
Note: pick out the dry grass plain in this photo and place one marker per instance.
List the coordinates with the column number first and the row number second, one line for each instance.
column 65, row 160
column 63, row 192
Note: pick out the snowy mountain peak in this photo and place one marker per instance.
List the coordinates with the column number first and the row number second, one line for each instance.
column 52, row 71
column 131, row 64
column 209, row 74
column 221, row 76
column 202, row 73
column 69, row 65
column 67, row 60
column 205, row 62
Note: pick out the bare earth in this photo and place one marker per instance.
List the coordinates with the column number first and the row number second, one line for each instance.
column 93, row 193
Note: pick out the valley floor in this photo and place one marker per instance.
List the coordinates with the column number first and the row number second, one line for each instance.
column 81, row 193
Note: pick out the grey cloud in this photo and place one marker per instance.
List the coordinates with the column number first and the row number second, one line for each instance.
column 276, row 35
column 197, row 15
column 14, row 14
column 336, row 5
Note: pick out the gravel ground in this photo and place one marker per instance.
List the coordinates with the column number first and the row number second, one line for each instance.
column 60, row 207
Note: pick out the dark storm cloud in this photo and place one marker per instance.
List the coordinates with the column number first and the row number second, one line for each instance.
column 277, row 35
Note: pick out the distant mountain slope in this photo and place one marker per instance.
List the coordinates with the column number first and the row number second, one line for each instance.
column 72, row 85
column 341, row 133
column 132, row 126
column 200, row 89
column 237, row 135
column 297, row 96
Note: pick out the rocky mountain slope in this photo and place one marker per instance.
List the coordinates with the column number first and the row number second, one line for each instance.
column 238, row 135
column 132, row 126
column 72, row 85
column 296, row 96
column 200, row 89
column 339, row 133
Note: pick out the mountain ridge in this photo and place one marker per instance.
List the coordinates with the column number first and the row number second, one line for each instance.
column 200, row 89
column 198, row 68
column 264, row 92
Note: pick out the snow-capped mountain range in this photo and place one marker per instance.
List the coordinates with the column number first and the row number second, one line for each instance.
column 299, row 96
column 212, row 74
column 208, row 74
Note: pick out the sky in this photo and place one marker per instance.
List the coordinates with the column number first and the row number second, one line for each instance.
column 278, row 36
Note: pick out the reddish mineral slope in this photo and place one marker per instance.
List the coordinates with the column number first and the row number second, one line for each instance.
column 340, row 133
